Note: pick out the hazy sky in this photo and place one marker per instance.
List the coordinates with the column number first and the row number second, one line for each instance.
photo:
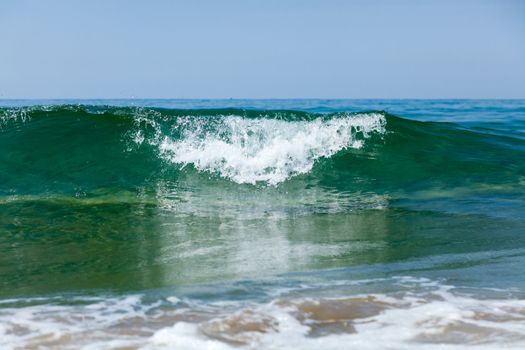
column 262, row 49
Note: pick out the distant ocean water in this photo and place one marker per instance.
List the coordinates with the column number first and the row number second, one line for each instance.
column 264, row 224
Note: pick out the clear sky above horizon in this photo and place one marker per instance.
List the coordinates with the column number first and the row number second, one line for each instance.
column 262, row 49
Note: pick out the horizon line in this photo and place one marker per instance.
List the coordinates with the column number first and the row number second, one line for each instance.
column 257, row 98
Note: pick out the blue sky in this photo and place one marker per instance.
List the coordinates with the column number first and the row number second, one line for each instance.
column 262, row 49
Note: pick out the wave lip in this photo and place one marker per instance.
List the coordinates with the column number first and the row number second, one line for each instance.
column 256, row 150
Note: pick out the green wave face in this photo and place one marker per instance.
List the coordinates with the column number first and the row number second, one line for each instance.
column 249, row 161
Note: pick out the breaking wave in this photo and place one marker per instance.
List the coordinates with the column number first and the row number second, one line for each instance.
column 318, row 160
column 268, row 150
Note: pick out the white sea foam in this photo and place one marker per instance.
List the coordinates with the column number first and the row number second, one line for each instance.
column 251, row 150
column 14, row 115
column 420, row 314
column 439, row 320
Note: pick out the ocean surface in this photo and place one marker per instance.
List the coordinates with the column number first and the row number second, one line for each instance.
column 262, row 224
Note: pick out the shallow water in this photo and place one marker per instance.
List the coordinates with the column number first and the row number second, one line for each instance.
column 262, row 224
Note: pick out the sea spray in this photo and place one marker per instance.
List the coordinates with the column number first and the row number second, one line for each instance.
column 268, row 150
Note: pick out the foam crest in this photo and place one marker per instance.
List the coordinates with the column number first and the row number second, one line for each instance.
column 251, row 150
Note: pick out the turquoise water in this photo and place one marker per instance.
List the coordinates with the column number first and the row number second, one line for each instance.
column 262, row 224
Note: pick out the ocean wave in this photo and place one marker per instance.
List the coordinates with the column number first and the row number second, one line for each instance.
column 87, row 151
column 244, row 146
